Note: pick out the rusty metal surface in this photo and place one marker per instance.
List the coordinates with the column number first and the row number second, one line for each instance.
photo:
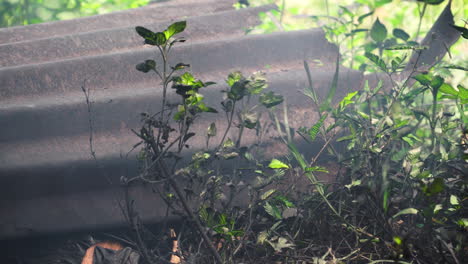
column 49, row 181
column 202, row 28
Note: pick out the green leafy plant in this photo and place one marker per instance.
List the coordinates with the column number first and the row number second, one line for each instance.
column 25, row 12
column 204, row 192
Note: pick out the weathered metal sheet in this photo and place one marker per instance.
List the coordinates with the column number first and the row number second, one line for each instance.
column 202, row 28
column 174, row 9
column 49, row 181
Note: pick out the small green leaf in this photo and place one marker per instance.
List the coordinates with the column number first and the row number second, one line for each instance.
column 401, row 34
column 436, row 82
column 272, row 210
column 448, row 89
column 234, row 77
column 146, row 66
column 150, row 37
column 281, row 244
column 270, row 99
column 406, row 211
column 160, row 39
column 435, row 187
column 145, row 33
column 267, row 194
column 175, row 28
column 180, row 66
column 463, row 222
column 238, row 90
column 353, row 183
column 378, row 31
column 462, row 30
column 228, row 143
column 316, row 168
column 431, row 2
column 262, row 237
column 257, row 83
column 211, row 130
column 462, row 92
column 347, row 100
column 227, row 105
column 361, row 18
column 422, row 79
column 377, row 60
column 284, row 200
column 277, row 164
column 346, row 11
column 379, row 3
column 397, row 240
column 454, row 200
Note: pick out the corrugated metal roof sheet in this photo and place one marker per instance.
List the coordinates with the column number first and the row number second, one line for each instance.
column 49, row 181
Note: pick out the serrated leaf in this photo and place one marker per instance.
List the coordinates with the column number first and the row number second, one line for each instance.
column 406, row 211
column 348, row 99
column 273, row 211
column 315, row 129
column 376, row 60
column 277, row 164
column 378, row 31
column 284, row 200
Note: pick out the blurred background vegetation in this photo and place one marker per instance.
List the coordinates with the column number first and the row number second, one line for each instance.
column 25, row 12
column 339, row 18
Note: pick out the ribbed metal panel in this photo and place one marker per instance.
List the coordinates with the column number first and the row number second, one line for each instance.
column 49, row 183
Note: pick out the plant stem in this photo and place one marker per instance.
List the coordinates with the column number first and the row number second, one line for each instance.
column 188, row 210
column 421, row 15
column 230, row 118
